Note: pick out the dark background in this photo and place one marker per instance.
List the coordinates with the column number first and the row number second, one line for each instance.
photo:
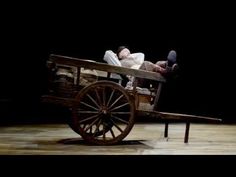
column 203, row 36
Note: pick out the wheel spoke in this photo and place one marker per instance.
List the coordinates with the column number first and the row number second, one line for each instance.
column 117, row 126
column 98, row 97
column 116, row 101
column 113, row 91
column 121, row 120
column 91, row 124
column 92, row 100
column 104, row 96
column 119, row 106
column 88, row 112
column 112, row 133
column 84, row 126
column 103, row 131
column 120, row 112
column 89, row 118
column 88, row 105
column 97, row 127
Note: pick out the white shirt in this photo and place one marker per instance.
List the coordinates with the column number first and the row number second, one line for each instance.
column 135, row 60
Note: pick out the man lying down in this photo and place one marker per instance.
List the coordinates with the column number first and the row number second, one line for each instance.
column 123, row 57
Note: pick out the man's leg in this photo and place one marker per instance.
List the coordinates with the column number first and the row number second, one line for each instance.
column 148, row 66
column 141, row 82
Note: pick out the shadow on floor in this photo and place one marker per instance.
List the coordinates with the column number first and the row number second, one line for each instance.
column 80, row 141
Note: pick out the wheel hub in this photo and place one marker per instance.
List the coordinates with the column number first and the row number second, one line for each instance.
column 104, row 110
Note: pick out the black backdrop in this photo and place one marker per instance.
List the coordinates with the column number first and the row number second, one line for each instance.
column 202, row 36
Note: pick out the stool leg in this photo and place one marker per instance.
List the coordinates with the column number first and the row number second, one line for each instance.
column 166, row 129
column 186, row 132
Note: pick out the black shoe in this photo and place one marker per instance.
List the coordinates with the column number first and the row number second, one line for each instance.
column 171, row 58
column 171, row 71
column 175, row 68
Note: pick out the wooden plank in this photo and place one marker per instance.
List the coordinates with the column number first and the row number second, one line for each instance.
column 176, row 116
column 187, row 117
column 105, row 67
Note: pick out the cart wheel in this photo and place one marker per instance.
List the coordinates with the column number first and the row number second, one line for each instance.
column 72, row 125
column 104, row 113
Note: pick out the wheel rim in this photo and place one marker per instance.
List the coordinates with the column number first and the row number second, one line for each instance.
column 104, row 113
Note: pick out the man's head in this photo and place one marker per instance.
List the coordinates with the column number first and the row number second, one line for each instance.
column 122, row 52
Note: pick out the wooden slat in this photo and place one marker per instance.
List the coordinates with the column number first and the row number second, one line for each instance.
column 105, row 67
column 177, row 116
column 187, row 117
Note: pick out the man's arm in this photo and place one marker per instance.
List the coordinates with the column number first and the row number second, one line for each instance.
column 138, row 57
column 111, row 58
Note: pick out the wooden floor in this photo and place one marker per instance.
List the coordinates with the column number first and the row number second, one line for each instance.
column 144, row 138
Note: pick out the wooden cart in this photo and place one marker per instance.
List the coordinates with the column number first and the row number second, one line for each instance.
column 104, row 111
